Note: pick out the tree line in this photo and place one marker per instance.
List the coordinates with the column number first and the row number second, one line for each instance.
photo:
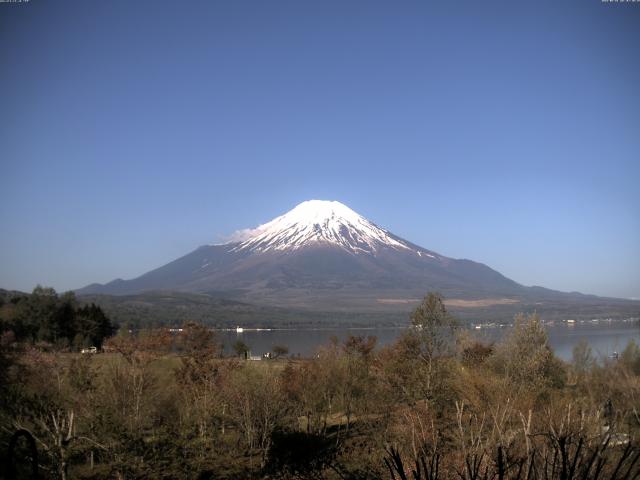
column 59, row 321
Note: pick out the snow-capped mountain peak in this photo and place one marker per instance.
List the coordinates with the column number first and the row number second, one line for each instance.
column 319, row 222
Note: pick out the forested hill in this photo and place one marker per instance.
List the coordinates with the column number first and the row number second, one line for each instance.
column 165, row 308
column 160, row 308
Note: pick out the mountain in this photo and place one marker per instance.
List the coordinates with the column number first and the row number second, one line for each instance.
column 324, row 256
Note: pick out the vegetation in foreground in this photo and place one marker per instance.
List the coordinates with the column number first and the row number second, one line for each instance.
column 436, row 404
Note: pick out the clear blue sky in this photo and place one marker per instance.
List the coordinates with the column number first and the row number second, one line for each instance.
column 505, row 132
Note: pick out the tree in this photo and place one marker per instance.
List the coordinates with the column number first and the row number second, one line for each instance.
column 241, row 348
column 630, row 357
column 200, row 377
column 132, row 384
column 358, row 385
column 256, row 405
column 435, row 324
column 525, row 358
column 315, row 387
column 583, row 359
column 37, row 314
column 280, row 350
column 427, row 348
column 198, row 341
column 55, row 406
column 92, row 323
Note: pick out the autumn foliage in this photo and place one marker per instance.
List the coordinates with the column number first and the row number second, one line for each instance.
column 436, row 404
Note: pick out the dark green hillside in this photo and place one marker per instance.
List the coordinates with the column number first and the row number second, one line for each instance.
column 174, row 308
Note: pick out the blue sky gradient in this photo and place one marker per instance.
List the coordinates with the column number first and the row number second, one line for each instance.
column 504, row 132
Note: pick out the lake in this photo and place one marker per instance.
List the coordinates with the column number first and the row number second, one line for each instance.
column 604, row 337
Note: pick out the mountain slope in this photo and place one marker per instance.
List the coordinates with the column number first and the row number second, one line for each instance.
column 324, row 256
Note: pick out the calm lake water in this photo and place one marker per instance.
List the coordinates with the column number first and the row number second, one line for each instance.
column 604, row 337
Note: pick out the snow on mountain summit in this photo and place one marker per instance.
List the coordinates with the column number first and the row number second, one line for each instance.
column 319, row 222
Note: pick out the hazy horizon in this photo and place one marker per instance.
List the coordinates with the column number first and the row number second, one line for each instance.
column 506, row 134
